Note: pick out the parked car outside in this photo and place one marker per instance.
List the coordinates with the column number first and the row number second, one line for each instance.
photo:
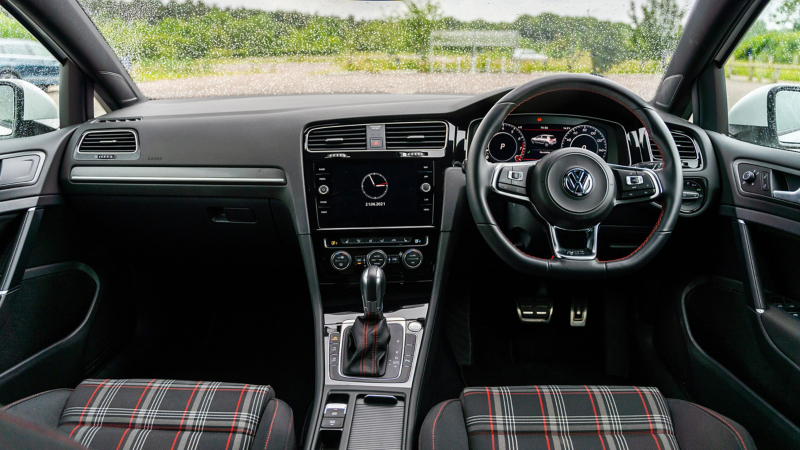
column 29, row 61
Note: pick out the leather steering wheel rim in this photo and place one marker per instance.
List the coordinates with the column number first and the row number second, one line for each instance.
column 480, row 172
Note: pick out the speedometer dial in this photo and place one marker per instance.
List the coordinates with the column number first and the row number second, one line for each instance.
column 586, row 137
column 507, row 144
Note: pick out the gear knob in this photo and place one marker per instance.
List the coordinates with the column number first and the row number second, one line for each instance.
column 373, row 287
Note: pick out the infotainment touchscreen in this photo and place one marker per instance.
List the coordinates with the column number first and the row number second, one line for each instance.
column 364, row 194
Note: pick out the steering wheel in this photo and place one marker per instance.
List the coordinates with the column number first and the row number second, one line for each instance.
column 573, row 189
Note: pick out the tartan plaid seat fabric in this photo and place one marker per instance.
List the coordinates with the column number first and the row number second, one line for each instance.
column 576, row 417
column 169, row 414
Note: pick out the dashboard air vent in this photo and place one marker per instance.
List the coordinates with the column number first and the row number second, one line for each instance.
column 109, row 141
column 416, row 135
column 687, row 149
column 119, row 119
column 345, row 137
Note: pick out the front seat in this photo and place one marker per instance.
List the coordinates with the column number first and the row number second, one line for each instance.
column 169, row 414
column 576, row 417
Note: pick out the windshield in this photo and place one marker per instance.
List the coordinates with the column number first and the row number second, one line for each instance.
column 238, row 47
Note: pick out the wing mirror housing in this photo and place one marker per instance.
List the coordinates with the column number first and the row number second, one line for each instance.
column 25, row 110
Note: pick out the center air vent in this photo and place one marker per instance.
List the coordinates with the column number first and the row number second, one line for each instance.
column 416, row 136
column 345, row 137
column 687, row 149
column 109, row 141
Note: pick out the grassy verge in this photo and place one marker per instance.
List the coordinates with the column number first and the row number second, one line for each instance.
column 160, row 69
column 766, row 74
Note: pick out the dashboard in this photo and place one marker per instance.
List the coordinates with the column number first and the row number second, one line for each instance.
column 370, row 179
column 529, row 137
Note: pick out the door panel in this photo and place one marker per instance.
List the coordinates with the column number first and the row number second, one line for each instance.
column 46, row 311
column 752, row 328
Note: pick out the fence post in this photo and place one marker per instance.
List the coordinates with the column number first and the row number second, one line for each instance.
column 752, row 69
column 776, row 75
column 488, row 67
column 503, row 64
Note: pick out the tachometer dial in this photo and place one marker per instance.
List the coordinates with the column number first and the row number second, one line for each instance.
column 374, row 186
column 507, row 144
column 586, row 137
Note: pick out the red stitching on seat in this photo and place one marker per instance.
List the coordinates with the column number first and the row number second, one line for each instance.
column 726, row 423
column 30, row 397
column 544, row 417
column 180, row 425
column 80, row 421
column 491, row 422
column 235, row 413
column 597, row 419
column 433, row 432
column 647, row 413
column 277, row 404
column 135, row 408
column 122, row 438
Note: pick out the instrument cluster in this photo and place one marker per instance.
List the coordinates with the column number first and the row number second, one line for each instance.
column 529, row 137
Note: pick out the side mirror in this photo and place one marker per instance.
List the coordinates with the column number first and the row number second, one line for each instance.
column 25, row 110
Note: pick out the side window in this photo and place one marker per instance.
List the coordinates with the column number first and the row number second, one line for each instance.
column 763, row 79
column 29, row 77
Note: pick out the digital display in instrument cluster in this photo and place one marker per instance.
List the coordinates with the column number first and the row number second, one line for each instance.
column 532, row 141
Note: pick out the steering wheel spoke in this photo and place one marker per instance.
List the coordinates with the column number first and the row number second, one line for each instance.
column 636, row 184
column 587, row 237
column 510, row 181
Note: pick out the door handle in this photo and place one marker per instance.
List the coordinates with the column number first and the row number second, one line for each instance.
column 789, row 196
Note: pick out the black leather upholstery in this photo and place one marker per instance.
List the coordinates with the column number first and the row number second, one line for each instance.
column 157, row 414
column 579, row 417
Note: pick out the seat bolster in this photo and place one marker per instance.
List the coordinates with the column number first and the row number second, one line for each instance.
column 698, row 428
column 276, row 428
column 43, row 409
column 444, row 428
column 21, row 434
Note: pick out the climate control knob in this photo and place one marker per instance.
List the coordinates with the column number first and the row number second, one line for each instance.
column 341, row 260
column 377, row 258
column 412, row 258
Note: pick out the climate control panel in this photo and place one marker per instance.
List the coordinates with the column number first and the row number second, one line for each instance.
column 411, row 259
column 402, row 257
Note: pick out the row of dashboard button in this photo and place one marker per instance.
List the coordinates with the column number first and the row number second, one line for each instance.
column 411, row 258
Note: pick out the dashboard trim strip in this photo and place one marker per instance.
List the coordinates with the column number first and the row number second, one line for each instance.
column 206, row 175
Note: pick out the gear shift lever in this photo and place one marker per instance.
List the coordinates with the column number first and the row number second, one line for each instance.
column 373, row 288
column 365, row 344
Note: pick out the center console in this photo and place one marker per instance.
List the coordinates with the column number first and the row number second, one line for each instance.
column 374, row 194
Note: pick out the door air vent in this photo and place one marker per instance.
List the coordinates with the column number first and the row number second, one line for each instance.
column 343, row 137
column 109, row 141
column 687, row 149
column 416, row 136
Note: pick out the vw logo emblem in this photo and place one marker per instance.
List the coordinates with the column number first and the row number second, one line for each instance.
column 578, row 182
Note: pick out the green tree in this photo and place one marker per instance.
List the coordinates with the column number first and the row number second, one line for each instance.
column 788, row 14
column 419, row 21
column 656, row 30
column 605, row 41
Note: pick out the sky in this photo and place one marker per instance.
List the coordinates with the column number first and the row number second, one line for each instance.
column 465, row 10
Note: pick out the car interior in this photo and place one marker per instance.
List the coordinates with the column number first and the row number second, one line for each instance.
column 555, row 264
